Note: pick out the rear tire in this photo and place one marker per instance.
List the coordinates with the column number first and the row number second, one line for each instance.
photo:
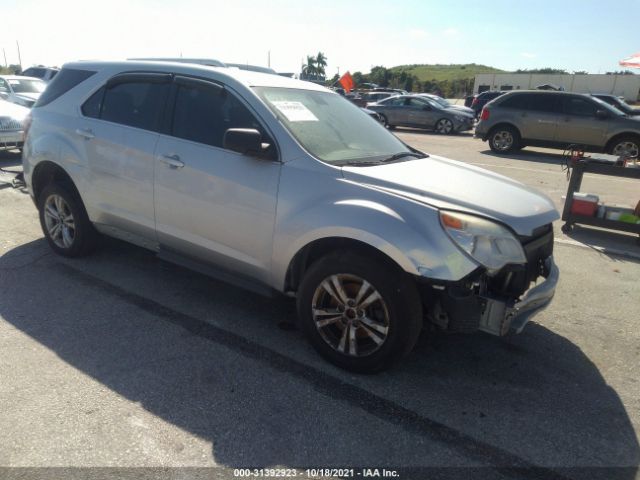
column 385, row 122
column 370, row 320
column 504, row 139
column 65, row 223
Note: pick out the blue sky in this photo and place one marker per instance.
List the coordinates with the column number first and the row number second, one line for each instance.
column 355, row 35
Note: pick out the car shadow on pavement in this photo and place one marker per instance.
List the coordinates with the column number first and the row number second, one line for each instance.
column 431, row 132
column 209, row 359
column 530, row 156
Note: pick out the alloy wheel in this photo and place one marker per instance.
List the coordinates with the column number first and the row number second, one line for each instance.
column 59, row 221
column 444, row 126
column 626, row 149
column 350, row 315
column 503, row 140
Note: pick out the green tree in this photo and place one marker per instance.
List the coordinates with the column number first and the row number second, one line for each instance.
column 321, row 63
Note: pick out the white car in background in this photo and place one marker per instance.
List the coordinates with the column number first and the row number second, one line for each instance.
column 12, row 118
column 21, row 90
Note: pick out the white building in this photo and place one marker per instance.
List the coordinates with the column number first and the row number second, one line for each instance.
column 627, row 86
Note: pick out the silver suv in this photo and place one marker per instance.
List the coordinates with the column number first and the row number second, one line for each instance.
column 284, row 186
column 557, row 119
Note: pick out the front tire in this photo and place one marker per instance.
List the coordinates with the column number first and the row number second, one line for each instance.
column 504, row 139
column 360, row 314
column 444, row 126
column 626, row 146
column 64, row 222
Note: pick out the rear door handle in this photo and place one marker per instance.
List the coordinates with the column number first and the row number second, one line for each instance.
column 172, row 161
column 86, row 133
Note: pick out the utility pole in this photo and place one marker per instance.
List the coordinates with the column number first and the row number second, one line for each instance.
column 5, row 57
column 19, row 57
column 269, row 59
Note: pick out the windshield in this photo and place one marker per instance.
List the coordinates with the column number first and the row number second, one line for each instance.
column 26, row 86
column 330, row 127
column 441, row 101
column 608, row 107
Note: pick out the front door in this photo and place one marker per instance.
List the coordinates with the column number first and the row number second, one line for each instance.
column 214, row 204
column 579, row 123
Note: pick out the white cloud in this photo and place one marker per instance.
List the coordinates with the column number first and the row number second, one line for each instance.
column 451, row 31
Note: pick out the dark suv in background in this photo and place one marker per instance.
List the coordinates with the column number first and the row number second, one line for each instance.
column 556, row 120
column 481, row 99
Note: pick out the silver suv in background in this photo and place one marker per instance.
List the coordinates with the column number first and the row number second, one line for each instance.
column 557, row 119
column 46, row 74
column 284, row 186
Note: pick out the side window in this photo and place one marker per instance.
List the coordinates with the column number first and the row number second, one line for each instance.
column 395, row 102
column 414, row 102
column 204, row 113
column 544, row 103
column 579, row 107
column 91, row 108
column 3, row 86
column 136, row 104
column 68, row 79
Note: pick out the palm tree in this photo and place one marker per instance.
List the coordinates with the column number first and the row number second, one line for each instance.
column 309, row 69
column 321, row 62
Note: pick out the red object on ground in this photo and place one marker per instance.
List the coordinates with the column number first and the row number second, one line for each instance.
column 347, row 82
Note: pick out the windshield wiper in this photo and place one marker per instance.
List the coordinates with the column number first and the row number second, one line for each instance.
column 400, row 155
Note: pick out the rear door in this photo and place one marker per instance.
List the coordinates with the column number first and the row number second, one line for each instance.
column 539, row 115
column 579, row 123
column 120, row 130
column 214, row 204
column 395, row 110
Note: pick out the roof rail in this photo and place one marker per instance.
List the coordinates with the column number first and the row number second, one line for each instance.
column 210, row 62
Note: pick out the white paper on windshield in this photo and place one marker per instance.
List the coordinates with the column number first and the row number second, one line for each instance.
column 14, row 82
column 295, row 111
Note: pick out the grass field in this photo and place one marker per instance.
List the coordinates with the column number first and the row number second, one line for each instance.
column 446, row 72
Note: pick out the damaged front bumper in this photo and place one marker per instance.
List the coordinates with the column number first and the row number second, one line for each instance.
column 500, row 316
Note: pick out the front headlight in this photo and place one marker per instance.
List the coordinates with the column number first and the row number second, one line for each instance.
column 487, row 242
column 460, row 118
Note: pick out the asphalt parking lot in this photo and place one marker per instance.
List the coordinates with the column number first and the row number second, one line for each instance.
column 122, row 360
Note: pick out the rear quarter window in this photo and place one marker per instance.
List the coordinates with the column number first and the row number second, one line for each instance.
column 67, row 79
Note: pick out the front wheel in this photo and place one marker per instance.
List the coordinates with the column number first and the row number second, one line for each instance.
column 444, row 126
column 626, row 146
column 504, row 139
column 360, row 314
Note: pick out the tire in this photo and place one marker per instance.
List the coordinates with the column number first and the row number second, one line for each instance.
column 385, row 328
column 385, row 122
column 75, row 235
column 444, row 126
column 626, row 145
column 504, row 139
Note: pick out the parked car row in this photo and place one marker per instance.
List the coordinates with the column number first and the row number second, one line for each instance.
column 21, row 90
column 12, row 120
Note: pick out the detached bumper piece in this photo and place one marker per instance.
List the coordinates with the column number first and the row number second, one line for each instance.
column 499, row 317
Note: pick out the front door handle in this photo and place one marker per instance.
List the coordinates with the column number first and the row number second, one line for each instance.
column 172, row 161
column 86, row 133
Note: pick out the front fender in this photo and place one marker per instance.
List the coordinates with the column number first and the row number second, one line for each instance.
column 412, row 237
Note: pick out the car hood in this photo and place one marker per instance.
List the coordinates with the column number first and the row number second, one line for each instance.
column 13, row 110
column 448, row 184
column 462, row 108
column 457, row 111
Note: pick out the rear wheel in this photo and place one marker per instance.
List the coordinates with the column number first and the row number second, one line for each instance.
column 360, row 314
column 385, row 122
column 64, row 222
column 504, row 139
column 626, row 146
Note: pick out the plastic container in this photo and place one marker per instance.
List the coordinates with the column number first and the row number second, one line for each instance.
column 584, row 204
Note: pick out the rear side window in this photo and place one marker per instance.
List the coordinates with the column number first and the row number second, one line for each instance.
column 204, row 113
column 93, row 106
column 136, row 104
column 61, row 84
column 540, row 102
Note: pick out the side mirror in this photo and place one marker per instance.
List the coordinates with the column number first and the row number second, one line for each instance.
column 247, row 141
column 601, row 114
